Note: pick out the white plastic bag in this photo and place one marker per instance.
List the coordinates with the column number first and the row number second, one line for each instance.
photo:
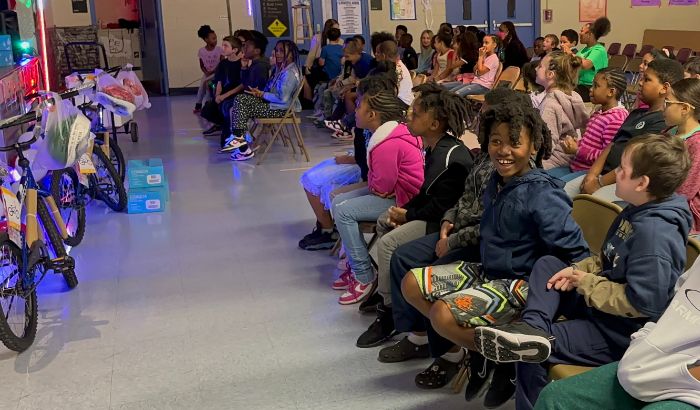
column 128, row 78
column 65, row 135
column 113, row 96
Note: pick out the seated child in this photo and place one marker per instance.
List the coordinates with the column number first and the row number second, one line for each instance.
column 526, row 216
column 682, row 114
column 692, row 67
column 568, row 41
column 395, row 162
column 209, row 57
column 271, row 102
column 660, row 366
column 227, row 78
column 331, row 54
column 485, row 69
column 609, row 85
column 534, row 90
column 425, row 57
column 409, row 56
column 444, row 58
column 538, row 49
column 551, row 43
column 629, row 283
column 562, row 109
column 655, row 84
column 439, row 117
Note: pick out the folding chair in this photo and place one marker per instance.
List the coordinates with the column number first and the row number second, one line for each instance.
column 290, row 118
column 614, row 49
column 618, row 62
column 520, row 85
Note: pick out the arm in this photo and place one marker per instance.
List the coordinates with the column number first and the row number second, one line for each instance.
column 444, row 195
column 551, row 212
column 591, row 264
column 314, row 50
column 480, row 67
column 201, row 67
column 282, row 93
column 596, row 55
column 384, row 171
column 691, row 187
column 606, row 296
column 446, row 72
column 609, row 131
column 235, row 91
column 218, row 89
column 549, row 116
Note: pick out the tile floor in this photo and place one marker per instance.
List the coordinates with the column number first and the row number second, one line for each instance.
column 210, row 305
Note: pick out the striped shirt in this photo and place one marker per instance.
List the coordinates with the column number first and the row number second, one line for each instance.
column 600, row 131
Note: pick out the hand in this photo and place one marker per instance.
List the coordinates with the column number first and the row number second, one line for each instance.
column 569, row 145
column 254, row 92
column 566, row 48
column 397, row 216
column 344, row 159
column 385, row 196
column 446, row 229
column 566, row 279
column 442, row 248
column 590, row 184
column 482, row 51
column 218, row 99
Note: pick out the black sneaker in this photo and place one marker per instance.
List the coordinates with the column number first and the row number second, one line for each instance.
column 381, row 330
column 212, row 130
column 371, row 303
column 197, row 108
column 402, row 351
column 513, row 342
column 479, row 372
column 502, row 386
column 318, row 240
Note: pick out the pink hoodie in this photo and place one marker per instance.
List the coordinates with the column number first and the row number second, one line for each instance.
column 395, row 159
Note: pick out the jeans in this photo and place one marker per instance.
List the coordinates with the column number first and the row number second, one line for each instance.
column 558, row 172
column 349, row 210
column 453, row 85
column 573, row 175
column 578, row 339
column 203, row 91
column 472, row 89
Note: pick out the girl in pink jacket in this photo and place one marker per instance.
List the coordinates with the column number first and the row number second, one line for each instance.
column 395, row 159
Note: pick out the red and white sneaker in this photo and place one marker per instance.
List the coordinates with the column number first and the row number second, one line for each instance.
column 346, row 279
column 356, row 292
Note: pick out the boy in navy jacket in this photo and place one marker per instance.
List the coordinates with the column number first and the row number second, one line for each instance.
column 631, row 282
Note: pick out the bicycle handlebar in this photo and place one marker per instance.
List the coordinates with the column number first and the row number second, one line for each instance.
column 20, row 146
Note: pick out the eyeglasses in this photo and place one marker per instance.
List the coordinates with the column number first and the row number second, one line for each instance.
column 667, row 102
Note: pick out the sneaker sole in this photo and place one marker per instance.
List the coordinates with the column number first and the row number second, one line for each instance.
column 378, row 342
column 243, row 158
column 504, row 347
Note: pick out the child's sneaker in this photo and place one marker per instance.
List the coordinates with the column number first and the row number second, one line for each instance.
column 197, row 108
column 232, row 143
column 243, row 155
column 344, row 280
column 356, row 292
column 334, row 125
column 319, row 241
column 212, row 130
column 513, row 342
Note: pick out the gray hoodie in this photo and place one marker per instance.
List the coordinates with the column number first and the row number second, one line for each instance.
column 565, row 115
column 655, row 366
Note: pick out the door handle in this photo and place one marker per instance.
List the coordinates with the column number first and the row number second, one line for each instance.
column 495, row 27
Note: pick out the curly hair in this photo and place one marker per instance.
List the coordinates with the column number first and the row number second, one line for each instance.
column 204, row 32
column 600, row 27
column 380, row 93
column 517, row 115
column 448, row 108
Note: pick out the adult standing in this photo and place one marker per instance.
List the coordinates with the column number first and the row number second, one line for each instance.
column 514, row 52
column 594, row 55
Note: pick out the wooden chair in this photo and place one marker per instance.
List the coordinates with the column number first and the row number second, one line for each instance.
column 619, row 61
column 629, row 50
column 633, row 66
column 279, row 127
column 614, row 49
column 520, row 85
column 692, row 252
column 594, row 216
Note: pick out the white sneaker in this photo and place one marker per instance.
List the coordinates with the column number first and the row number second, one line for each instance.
column 232, row 145
column 243, row 156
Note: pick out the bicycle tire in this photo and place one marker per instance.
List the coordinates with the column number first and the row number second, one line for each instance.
column 58, row 183
column 12, row 341
column 100, row 160
column 117, row 157
column 55, row 242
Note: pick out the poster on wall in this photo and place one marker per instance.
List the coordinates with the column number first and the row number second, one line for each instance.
column 275, row 17
column 375, row 4
column 350, row 16
column 646, row 3
column 403, row 10
column 682, row 2
column 79, row 6
column 589, row 10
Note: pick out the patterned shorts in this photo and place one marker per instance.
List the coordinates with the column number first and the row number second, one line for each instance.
column 473, row 299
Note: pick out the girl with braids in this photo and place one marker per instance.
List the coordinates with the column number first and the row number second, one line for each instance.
column 609, row 85
column 562, row 109
column 395, row 160
column 438, row 116
column 209, row 57
column 526, row 216
column 272, row 102
column 594, row 55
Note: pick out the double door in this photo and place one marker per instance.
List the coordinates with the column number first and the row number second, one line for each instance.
column 487, row 15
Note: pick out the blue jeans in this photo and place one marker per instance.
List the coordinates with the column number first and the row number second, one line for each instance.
column 452, row 85
column 572, row 176
column 472, row 89
column 558, row 172
column 349, row 210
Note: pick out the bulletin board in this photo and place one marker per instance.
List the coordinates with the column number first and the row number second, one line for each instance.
column 589, row 10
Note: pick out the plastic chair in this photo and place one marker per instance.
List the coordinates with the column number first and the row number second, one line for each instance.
column 289, row 118
column 614, row 49
column 594, row 216
column 629, row 50
column 646, row 48
column 618, row 62
column 683, row 55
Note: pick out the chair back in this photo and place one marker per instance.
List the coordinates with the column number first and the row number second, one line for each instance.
column 618, row 62
column 614, row 49
column 419, row 79
column 646, row 48
column 683, row 55
column 520, row 85
column 692, row 252
column 594, row 216
column 669, row 48
column 508, row 77
column 629, row 50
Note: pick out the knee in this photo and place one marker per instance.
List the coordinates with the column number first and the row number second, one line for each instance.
column 409, row 288
column 441, row 316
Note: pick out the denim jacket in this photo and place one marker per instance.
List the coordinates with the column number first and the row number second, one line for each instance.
column 281, row 88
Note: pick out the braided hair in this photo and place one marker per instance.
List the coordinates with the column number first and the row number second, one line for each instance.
column 290, row 50
column 616, row 80
column 380, row 93
column 517, row 115
column 448, row 108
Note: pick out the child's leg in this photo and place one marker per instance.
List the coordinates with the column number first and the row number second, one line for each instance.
column 203, row 87
column 323, row 216
column 386, row 246
column 350, row 98
column 471, row 89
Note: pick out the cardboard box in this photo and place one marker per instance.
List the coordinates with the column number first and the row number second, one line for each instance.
column 145, row 174
column 6, row 58
column 148, row 200
column 5, row 42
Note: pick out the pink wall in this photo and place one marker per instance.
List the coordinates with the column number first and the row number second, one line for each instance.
column 109, row 11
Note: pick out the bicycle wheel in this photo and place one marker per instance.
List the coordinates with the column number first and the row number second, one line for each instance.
column 18, row 309
column 65, row 190
column 110, row 188
column 116, row 156
column 54, row 242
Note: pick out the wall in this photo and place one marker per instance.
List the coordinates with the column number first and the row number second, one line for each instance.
column 110, row 11
column 379, row 19
column 181, row 20
column 59, row 13
column 628, row 23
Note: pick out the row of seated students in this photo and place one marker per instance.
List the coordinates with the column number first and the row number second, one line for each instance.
column 479, row 251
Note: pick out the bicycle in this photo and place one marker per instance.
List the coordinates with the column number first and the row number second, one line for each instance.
column 24, row 258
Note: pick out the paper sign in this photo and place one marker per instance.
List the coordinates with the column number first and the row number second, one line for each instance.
column 85, row 165
column 13, row 212
column 277, row 28
column 350, row 16
column 403, row 10
column 682, row 2
column 589, row 10
column 643, row 3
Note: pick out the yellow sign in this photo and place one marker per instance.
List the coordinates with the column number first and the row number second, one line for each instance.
column 277, row 28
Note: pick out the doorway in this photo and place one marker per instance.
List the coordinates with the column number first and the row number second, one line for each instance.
column 488, row 14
